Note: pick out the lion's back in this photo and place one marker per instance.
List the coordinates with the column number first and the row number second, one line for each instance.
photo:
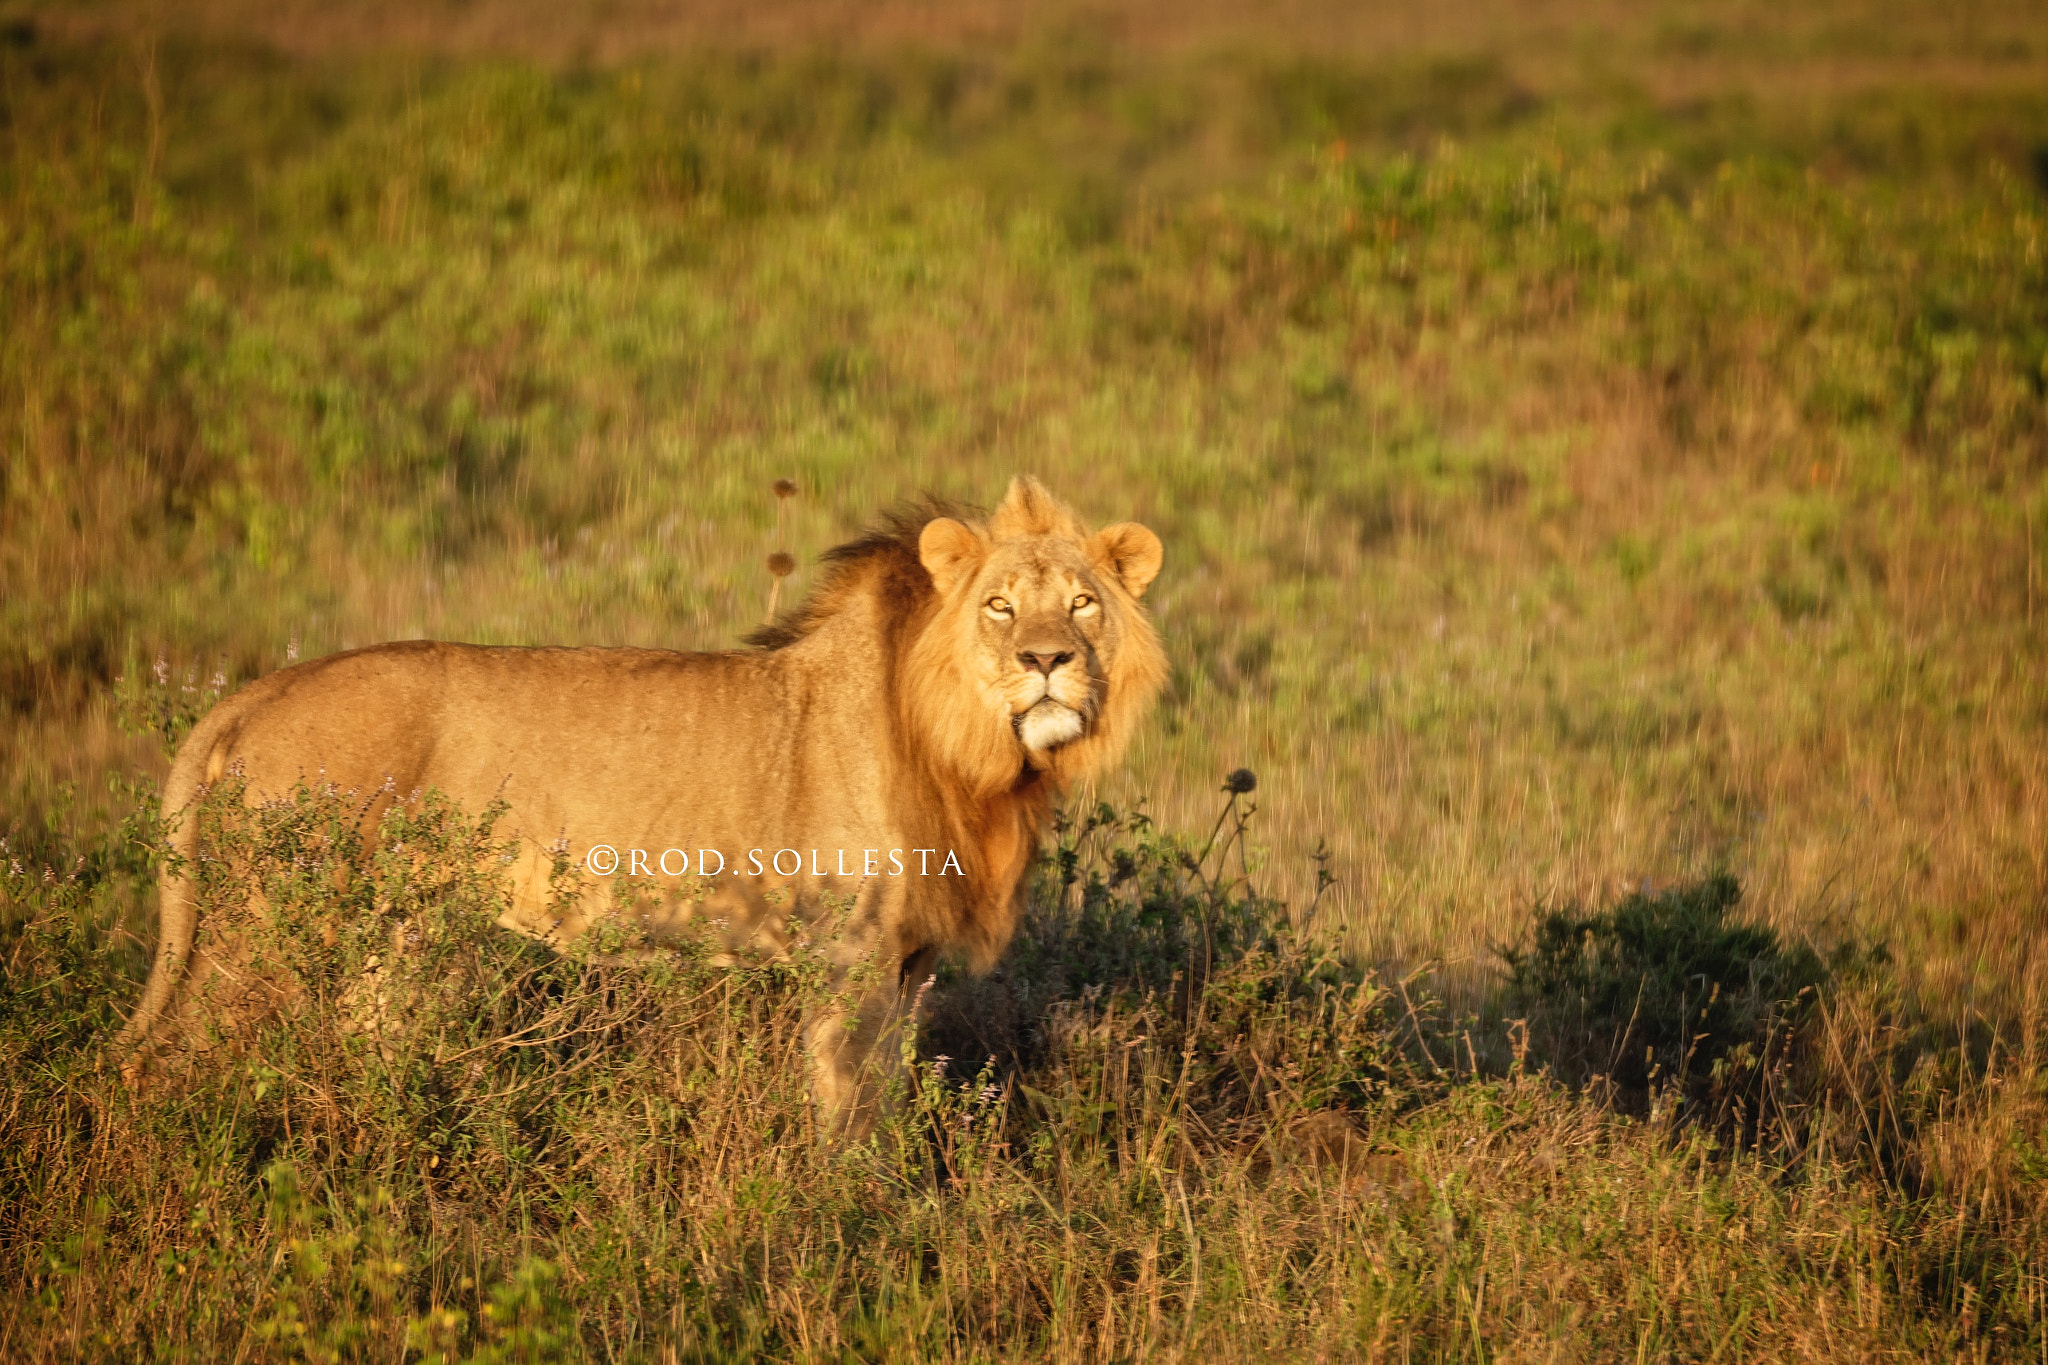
column 465, row 718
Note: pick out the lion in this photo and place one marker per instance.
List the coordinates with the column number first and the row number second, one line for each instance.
column 918, row 713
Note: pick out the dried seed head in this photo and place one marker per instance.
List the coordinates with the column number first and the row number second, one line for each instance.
column 1240, row 781
column 785, row 488
column 782, row 564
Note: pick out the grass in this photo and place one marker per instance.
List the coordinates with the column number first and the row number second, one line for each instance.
column 1197, row 1134
column 1581, row 464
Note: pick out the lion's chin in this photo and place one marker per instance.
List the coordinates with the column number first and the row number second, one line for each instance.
column 1048, row 725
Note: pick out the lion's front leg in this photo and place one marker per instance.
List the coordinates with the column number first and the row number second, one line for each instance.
column 857, row 1042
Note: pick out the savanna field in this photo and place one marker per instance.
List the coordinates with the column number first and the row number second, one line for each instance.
column 1602, row 460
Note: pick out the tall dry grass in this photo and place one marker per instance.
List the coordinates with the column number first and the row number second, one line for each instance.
column 1587, row 464
column 1196, row 1135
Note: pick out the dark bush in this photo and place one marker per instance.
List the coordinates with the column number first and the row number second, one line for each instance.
column 1128, row 927
column 1662, row 995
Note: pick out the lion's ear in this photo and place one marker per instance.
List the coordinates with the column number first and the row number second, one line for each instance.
column 1129, row 551
column 947, row 548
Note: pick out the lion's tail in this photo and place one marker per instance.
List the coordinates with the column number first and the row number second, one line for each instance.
column 177, row 894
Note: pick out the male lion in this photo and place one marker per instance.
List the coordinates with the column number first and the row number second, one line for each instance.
column 899, row 737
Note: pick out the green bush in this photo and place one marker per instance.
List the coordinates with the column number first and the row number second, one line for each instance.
column 1662, row 994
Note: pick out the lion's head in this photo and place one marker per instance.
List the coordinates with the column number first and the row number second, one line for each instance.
column 1020, row 643
column 1036, row 655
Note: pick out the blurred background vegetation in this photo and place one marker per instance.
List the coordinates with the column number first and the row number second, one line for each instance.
column 1596, row 446
column 1585, row 452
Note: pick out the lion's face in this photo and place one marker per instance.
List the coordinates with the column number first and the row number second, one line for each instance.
column 1044, row 622
column 1041, row 629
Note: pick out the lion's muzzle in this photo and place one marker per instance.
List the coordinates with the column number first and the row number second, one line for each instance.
column 1048, row 724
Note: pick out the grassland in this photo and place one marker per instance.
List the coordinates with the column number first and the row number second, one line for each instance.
column 1587, row 457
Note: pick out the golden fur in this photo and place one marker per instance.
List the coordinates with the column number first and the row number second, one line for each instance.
column 947, row 677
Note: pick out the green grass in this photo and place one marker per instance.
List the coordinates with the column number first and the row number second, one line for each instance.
column 1578, row 467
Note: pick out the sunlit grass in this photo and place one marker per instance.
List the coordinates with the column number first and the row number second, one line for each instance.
column 1565, row 487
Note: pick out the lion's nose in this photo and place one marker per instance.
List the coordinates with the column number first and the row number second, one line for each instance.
column 1044, row 663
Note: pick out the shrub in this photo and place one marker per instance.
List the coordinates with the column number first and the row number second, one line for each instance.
column 1662, row 995
column 1205, row 997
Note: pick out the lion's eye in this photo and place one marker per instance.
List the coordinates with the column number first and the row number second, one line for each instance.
column 998, row 606
column 1083, row 602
